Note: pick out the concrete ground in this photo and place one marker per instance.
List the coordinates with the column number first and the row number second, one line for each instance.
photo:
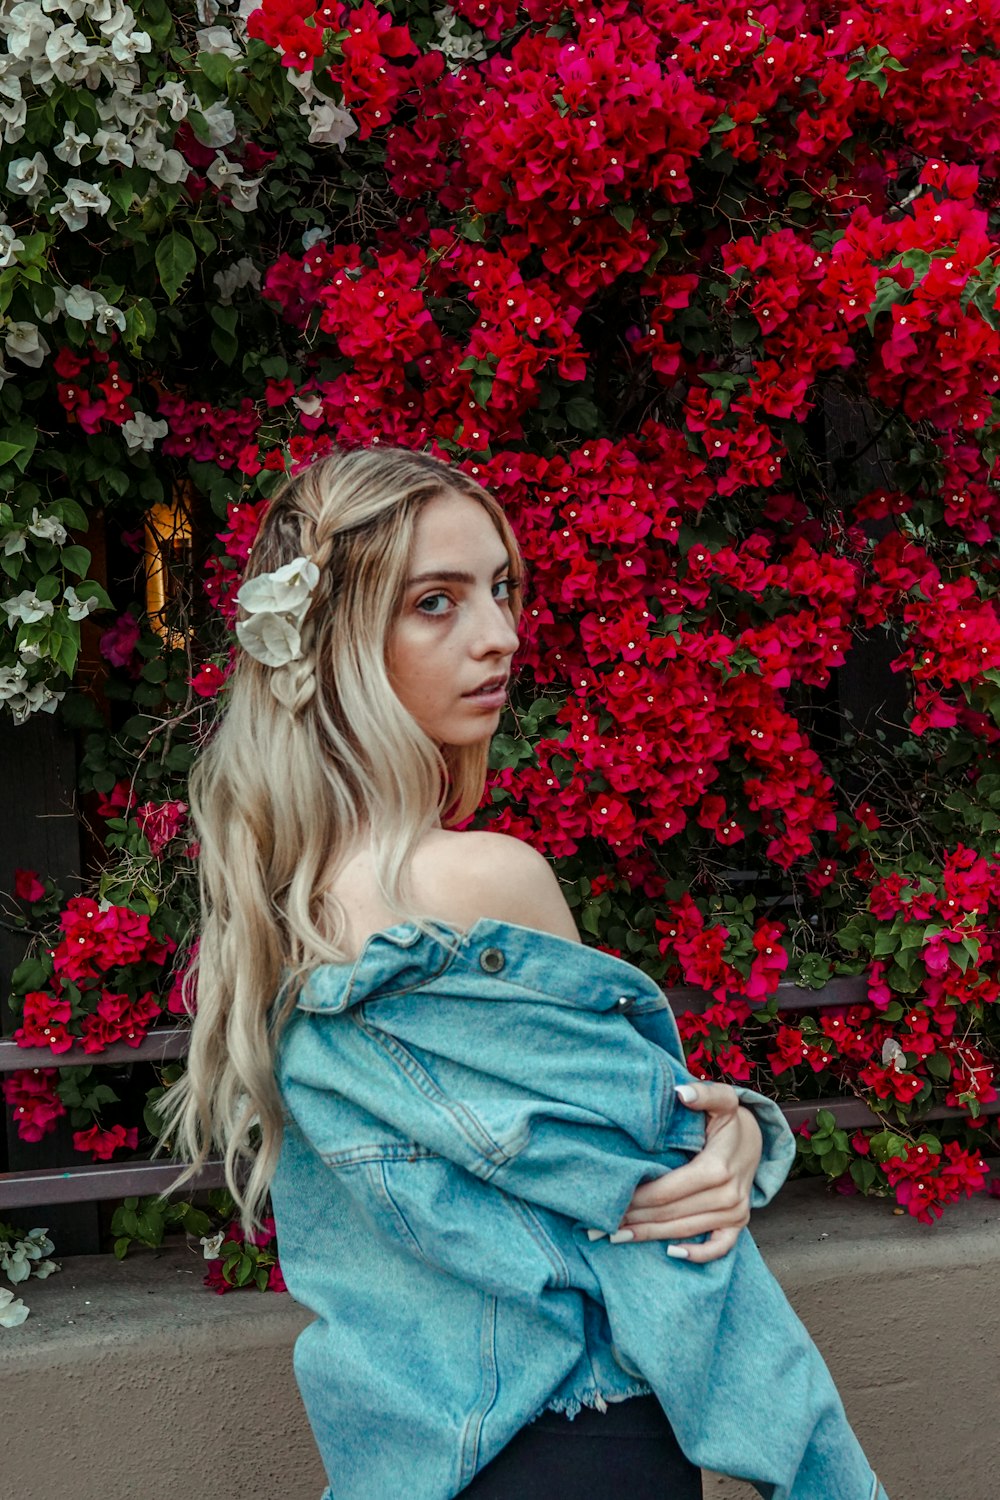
column 130, row 1381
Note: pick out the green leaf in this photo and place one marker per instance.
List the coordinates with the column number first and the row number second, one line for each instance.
column 76, row 559
column 176, row 258
column 151, row 1228
column 938, row 1066
column 121, row 1247
column 865, row 1174
column 32, row 974
column 9, row 451
column 625, row 215
column 583, row 415
column 217, row 68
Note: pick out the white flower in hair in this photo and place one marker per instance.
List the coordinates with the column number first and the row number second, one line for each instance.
column 277, row 604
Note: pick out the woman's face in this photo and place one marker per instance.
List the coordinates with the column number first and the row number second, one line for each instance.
column 449, row 651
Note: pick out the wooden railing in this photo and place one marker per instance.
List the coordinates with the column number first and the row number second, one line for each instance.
column 93, row 1183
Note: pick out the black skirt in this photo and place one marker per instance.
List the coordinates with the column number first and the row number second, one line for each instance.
column 628, row 1452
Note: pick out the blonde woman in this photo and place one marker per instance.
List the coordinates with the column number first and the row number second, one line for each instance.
column 518, row 1220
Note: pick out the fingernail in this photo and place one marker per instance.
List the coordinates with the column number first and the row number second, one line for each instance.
column 621, row 1237
column 596, row 1234
column 686, row 1093
column 679, row 1252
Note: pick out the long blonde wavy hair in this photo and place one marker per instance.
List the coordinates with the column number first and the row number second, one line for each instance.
column 308, row 758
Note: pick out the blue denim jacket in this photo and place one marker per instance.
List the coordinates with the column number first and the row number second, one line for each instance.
column 460, row 1110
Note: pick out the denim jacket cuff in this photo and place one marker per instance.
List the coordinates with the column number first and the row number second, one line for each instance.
column 779, row 1146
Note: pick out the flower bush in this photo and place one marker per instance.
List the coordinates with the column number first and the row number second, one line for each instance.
column 708, row 296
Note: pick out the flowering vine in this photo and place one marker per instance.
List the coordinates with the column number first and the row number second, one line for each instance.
column 710, row 298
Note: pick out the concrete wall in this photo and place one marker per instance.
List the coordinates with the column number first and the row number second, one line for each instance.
column 132, row 1382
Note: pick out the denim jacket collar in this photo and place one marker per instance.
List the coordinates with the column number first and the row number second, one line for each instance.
column 407, row 957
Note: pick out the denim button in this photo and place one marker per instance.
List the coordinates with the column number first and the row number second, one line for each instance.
column 492, row 960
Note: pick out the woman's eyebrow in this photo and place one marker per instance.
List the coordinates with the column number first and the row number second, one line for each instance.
column 453, row 575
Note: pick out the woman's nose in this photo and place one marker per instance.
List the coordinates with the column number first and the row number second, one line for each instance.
column 496, row 633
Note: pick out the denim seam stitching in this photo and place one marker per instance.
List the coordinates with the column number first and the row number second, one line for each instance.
column 473, row 1429
column 469, row 1126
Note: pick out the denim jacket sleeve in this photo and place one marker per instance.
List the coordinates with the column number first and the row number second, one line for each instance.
column 778, row 1152
column 558, row 1095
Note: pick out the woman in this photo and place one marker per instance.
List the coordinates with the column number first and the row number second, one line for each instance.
column 471, row 1195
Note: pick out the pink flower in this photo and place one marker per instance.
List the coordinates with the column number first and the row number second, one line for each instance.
column 208, row 680
column 102, row 1144
column 33, row 1102
column 27, row 886
column 159, row 822
column 118, row 643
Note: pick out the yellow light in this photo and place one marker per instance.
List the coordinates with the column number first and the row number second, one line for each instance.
column 167, row 552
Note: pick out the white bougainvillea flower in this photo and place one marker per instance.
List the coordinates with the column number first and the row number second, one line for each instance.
column 28, row 29
column 286, row 591
column 24, row 342
column 113, row 148
column 81, row 303
column 235, row 277
column 13, row 541
column 9, row 246
column 109, row 317
column 243, row 192
column 224, row 173
column 63, row 51
column 277, row 604
column 218, row 40
column 173, row 168
column 36, row 699
column 82, row 199
column 308, row 404
column 11, row 681
column 141, row 432
column 72, row 8
column 220, row 123
column 26, row 175
column 127, row 45
column 12, row 121
column 78, row 608
column 110, row 15
column 70, row 148
column 313, row 236
column 12, row 1310
column 329, row 124
column 47, row 529
column 211, row 1244
column 174, row 96
column 271, row 639
column 27, row 607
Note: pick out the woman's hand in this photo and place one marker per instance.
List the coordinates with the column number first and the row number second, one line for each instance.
column 711, row 1192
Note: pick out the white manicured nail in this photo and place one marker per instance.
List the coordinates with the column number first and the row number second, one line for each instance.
column 686, row 1093
column 596, row 1234
column 679, row 1252
column 621, row 1237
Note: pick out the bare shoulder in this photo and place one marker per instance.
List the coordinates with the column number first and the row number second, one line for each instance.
column 465, row 876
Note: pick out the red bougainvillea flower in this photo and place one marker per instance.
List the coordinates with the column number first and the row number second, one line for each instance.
column 102, row 1144
column 119, row 642
column 208, row 681
column 160, row 822
column 33, row 1102
column 27, row 886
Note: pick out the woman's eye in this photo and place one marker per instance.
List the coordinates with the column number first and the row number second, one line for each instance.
column 434, row 604
column 506, row 587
